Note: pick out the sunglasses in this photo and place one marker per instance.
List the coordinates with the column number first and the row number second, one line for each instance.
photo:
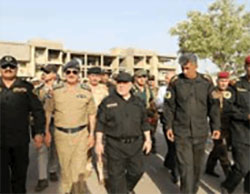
column 8, row 65
column 69, row 72
column 144, row 76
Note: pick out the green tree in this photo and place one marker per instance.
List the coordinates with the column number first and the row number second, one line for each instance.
column 221, row 35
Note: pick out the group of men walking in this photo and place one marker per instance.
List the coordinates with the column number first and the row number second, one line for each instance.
column 113, row 124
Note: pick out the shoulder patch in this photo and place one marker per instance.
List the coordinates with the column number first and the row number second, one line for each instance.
column 227, row 94
column 168, row 95
column 207, row 77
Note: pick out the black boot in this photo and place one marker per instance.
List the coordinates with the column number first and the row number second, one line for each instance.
column 41, row 185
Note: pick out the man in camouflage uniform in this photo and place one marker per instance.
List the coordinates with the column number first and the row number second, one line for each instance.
column 143, row 91
column 47, row 155
column 74, row 110
column 188, row 103
column 99, row 92
column 219, row 151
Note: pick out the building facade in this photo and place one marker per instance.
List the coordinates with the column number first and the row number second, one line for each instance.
column 36, row 53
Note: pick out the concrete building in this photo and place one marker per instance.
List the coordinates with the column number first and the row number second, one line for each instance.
column 36, row 53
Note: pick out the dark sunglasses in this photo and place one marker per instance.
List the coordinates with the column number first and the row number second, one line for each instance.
column 142, row 76
column 69, row 72
column 8, row 65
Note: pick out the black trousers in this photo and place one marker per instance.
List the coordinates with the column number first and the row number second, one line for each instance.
column 14, row 165
column 170, row 157
column 220, row 153
column 124, row 165
column 241, row 168
column 190, row 157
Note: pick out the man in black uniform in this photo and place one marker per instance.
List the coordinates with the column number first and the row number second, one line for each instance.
column 188, row 102
column 122, row 119
column 17, row 101
column 238, row 107
column 219, row 151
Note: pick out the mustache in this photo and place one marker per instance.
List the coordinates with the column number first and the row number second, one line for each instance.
column 8, row 71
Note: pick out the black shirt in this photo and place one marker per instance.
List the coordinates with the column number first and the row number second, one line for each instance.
column 188, row 103
column 238, row 108
column 16, row 104
column 122, row 118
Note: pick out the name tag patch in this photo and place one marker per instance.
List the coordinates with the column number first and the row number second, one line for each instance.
column 80, row 96
column 112, row 105
column 19, row 90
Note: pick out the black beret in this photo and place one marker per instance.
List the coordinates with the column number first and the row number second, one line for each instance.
column 74, row 64
column 124, row 77
column 187, row 57
column 8, row 60
column 49, row 69
column 94, row 70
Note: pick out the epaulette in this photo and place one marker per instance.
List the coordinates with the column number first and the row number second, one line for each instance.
column 174, row 79
column 58, row 86
column 207, row 77
column 85, row 87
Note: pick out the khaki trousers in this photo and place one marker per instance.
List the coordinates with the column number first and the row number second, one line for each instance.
column 72, row 153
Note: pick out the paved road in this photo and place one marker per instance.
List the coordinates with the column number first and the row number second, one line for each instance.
column 156, row 180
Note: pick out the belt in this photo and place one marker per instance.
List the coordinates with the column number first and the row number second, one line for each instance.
column 71, row 130
column 126, row 140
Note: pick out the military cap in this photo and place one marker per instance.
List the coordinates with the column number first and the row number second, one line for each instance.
column 72, row 64
column 151, row 77
column 124, row 77
column 141, row 72
column 105, row 71
column 187, row 57
column 223, row 74
column 8, row 60
column 95, row 70
column 49, row 69
column 247, row 60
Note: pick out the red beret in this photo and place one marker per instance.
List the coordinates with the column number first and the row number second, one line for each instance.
column 223, row 74
column 247, row 60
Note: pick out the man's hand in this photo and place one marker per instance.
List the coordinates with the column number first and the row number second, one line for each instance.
column 99, row 149
column 47, row 139
column 216, row 134
column 91, row 141
column 170, row 135
column 147, row 146
column 38, row 140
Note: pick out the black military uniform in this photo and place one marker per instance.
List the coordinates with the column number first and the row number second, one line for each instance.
column 188, row 102
column 219, row 151
column 123, row 122
column 16, row 103
column 238, row 107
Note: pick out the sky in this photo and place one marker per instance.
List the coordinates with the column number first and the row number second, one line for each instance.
column 99, row 25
